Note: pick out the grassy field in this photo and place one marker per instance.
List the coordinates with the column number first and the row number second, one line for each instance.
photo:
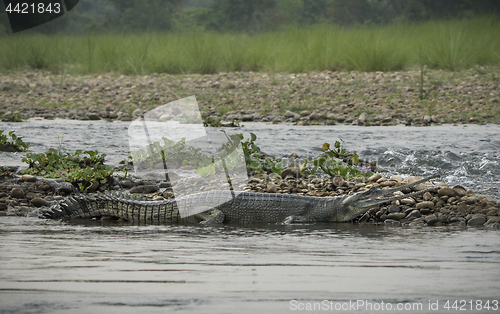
column 458, row 44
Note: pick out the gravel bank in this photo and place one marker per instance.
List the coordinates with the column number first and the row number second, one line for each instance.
column 379, row 98
column 448, row 206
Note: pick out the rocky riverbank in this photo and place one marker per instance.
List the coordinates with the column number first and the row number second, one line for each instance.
column 379, row 98
column 448, row 206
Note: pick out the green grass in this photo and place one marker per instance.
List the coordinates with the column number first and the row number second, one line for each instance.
column 455, row 44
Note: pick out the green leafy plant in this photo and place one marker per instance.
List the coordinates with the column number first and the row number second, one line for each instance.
column 5, row 172
column 12, row 117
column 338, row 161
column 177, row 153
column 256, row 161
column 227, row 158
column 12, row 142
column 82, row 171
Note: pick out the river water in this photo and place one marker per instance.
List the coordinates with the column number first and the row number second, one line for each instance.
column 60, row 267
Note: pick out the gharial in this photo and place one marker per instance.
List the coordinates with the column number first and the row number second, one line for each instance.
column 224, row 206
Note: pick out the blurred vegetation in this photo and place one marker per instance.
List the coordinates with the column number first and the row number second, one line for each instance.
column 210, row 36
column 455, row 44
column 135, row 16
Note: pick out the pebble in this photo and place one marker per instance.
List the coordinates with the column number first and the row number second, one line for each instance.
column 93, row 116
column 293, row 171
column 414, row 214
column 28, row 178
column 387, row 183
column 126, row 184
column 271, row 188
column 477, row 220
column 168, row 194
column 374, row 178
column 247, row 118
column 460, row 190
column 314, row 117
column 39, row 202
column 144, row 189
column 425, row 204
column 363, row 117
column 394, row 209
column 396, row 216
column 447, row 192
column 396, row 178
column 17, row 193
column 407, row 201
column 137, row 112
column 392, row 222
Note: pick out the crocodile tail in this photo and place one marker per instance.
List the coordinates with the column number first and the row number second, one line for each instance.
column 57, row 210
column 70, row 207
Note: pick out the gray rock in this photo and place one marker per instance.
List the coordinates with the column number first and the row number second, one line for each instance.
column 168, row 194
column 477, row 220
column 392, row 222
column 28, row 178
column 137, row 112
column 293, row 171
column 460, row 190
column 305, row 113
column 314, row 117
column 425, row 211
column 289, row 114
column 144, row 189
column 425, row 204
column 387, row 183
column 363, row 117
column 407, row 201
column 394, row 209
column 396, row 178
column 165, row 117
column 396, row 216
column 17, row 193
column 427, row 196
column 247, row 117
column 93, row 116
column 434, row 222
column 271, row 188
column 447, row 192
column 165, row 184
column 126, row 184
column 39, row 202
column 414, row 214
column 374, row 178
